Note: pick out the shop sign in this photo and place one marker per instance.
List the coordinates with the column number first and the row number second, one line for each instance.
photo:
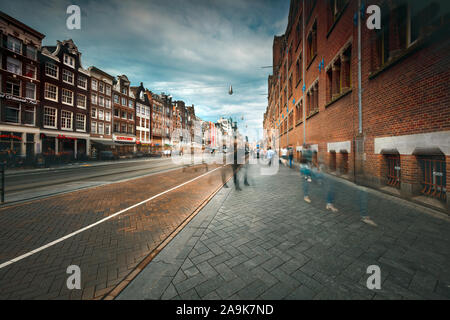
column 10, row 136
column 63, row 137
column 128, row 139
column 18, row 99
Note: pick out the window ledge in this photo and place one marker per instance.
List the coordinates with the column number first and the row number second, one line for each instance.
column 337, row 19
column 312, row 60
column 313, row 113
column 420, row 43
column 343, row 94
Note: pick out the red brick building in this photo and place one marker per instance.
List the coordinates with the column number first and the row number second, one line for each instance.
column 19, row 88
column 124, row 117
column 65, row 101
column 396, row 135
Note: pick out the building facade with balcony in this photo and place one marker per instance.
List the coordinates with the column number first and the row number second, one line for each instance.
column 124, row 127
column 391, row 131
column 157, row 121
column 101, row 112
column 19, row 89
column 143, row 119
column 65, row 101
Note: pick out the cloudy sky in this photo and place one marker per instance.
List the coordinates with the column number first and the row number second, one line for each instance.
column 191, row 49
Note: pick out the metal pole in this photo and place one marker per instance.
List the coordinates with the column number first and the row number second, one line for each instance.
column 287, row 93
column 359, row 70
column 304, row 78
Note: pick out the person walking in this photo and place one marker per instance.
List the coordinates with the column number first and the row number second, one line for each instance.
column 305, row 171
column 363, row 207
column 284, row 155
column 291, row 156
column 269, row 155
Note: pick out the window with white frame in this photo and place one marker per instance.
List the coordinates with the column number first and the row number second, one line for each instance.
column 66, row 120
column 29, row 116
column 80, row 124
column 100, row 114
column 51, row 70
column 130, row 116
column 69, row 61
column 108, row 90
column 107, row 129
column 93, row 112
column 51, row 92
column 30, row 90
column 116, row 99
column 67, row 97
column 82, row 82
column 124, row 90
column 101, row 101
column 13, row 87
column 107, row 116
column 100, row 128
column 94, row 84
column 94, row 127
column 124, row 101
column 101, row 87
column 12, row 114
column 94, row 98
column 31, row 52
column 81, row 101
column 14, row 66
column 14, row 45
column 67, row 76
column 30, row 71
column 108, row 103
column 130, row 104
column 50, row 117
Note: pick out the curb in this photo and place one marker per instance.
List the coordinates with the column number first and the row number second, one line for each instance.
column 124, row 283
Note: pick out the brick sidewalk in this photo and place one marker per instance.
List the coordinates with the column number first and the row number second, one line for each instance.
column 105, row 253
column 265, row 242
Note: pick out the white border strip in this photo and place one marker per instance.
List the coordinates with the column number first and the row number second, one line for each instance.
column 70, row 235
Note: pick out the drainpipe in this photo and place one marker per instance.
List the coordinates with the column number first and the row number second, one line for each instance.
column 359, row 71
column 304, row 76
column 287, row 91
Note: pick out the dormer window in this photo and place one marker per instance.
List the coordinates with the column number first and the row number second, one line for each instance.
column 69, row 61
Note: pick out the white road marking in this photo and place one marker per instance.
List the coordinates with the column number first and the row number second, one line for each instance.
column 70, row 235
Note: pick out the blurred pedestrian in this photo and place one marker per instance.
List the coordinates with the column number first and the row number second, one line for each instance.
column 291, row 156
column 269, row 155
column 363, row 207
column 305, row 171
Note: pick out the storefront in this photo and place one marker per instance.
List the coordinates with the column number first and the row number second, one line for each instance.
column 124, row 145
column 67, row 147
column 99, row 145
column 143, row 147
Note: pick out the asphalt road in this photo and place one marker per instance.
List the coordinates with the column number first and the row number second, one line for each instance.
column 41, row 183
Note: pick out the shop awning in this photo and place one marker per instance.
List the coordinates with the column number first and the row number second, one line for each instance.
column 104, row 142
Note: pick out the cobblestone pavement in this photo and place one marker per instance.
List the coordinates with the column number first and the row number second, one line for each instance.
column 265, row 242
column 106, row 253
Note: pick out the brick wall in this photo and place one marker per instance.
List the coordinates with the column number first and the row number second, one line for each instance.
column 408, row 95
